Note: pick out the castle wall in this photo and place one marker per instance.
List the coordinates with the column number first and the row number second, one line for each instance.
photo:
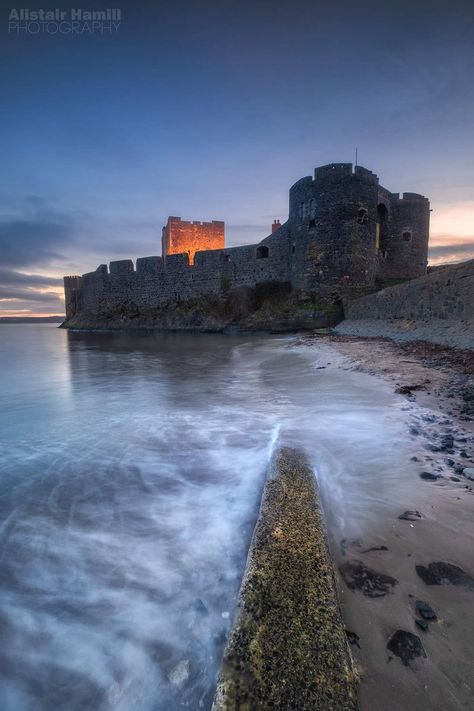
column 443, row 294
column 73, row 295
column 343, row 229
column 156, row 282
column 180, row 237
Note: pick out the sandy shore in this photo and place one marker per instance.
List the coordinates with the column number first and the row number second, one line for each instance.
column 421, row 551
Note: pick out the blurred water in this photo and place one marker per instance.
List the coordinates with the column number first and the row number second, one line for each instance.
column 131, row 470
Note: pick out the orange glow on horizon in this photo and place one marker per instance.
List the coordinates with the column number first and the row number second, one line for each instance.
column 18, row 313
column 452, row 232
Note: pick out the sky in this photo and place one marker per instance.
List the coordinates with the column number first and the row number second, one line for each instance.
column 212, row 110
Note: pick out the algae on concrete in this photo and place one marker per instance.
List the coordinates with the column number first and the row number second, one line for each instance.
column 288, row 648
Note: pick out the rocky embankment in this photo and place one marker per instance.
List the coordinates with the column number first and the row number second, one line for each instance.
column 270, row 307
column 288, row 648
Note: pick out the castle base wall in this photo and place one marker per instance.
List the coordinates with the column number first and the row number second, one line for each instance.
column 445, row 294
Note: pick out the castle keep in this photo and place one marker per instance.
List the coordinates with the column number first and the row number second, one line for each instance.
column 343, row 229
column 181, row 237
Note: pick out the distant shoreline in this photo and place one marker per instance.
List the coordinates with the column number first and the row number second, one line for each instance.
column 31, row 319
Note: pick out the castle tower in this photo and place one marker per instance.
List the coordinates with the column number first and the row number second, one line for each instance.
column 190, row 237
column 332, row 218
column 345, row 228
column 403, row 235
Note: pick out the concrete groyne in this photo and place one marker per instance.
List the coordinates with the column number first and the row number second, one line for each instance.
column 288, row 648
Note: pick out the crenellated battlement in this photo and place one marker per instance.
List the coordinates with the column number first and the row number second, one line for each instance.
column 190, row 237
column 343, row 228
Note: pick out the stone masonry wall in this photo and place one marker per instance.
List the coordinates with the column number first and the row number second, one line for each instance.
column 156, row 282
column 180, row 237
column 336, row 235
column 345, row 228
column 443, row 294
column 404, row 251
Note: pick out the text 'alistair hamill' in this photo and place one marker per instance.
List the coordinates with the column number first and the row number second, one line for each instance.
column 56, row 21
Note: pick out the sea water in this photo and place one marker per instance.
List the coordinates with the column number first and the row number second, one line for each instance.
column 131, row 471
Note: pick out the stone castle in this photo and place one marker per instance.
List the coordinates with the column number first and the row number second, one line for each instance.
column 343, row 230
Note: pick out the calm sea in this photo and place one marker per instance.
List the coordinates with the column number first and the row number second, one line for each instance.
column 131, row 470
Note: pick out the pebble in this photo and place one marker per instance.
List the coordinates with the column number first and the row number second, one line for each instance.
column 406, row 645
column 468, row 472
column 441, row 573
column 422, row 624
column 410, row 515
column 425, row 610
column 428, row 476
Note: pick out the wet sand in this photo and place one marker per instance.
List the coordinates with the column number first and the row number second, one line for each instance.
column 384, row 573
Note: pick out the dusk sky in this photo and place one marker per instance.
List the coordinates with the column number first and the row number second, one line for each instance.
column 211, row 110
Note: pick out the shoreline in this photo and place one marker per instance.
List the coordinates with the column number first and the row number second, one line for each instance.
column 434, row 526
column 449, row 333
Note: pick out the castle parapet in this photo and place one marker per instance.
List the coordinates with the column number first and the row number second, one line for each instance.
column 121, row 266
column 149, row 265
column 414, row 196
column 333, row 170
column 176, row 262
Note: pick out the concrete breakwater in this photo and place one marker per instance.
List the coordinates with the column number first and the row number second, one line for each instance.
column 288, row 647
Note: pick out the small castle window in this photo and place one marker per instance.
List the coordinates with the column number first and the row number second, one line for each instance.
column 226, row 257
column 362, row 216
column 407, row 236
column 262, row 252
column 293, row 248
column 312, row 223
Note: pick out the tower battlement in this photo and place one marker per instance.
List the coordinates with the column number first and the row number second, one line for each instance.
column 180, row 236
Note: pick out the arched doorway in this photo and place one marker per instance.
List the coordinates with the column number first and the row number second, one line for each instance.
column 262, row 252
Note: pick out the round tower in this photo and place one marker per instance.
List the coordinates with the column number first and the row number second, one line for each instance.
column 404, row 233
column 333, row 219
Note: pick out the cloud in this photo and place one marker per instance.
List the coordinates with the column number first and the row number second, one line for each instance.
column 9, row 277
column 246, row 227
column 24, row 242
column 452, row 252
column 452, row 219
column 35, row 235
column 28, row 295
